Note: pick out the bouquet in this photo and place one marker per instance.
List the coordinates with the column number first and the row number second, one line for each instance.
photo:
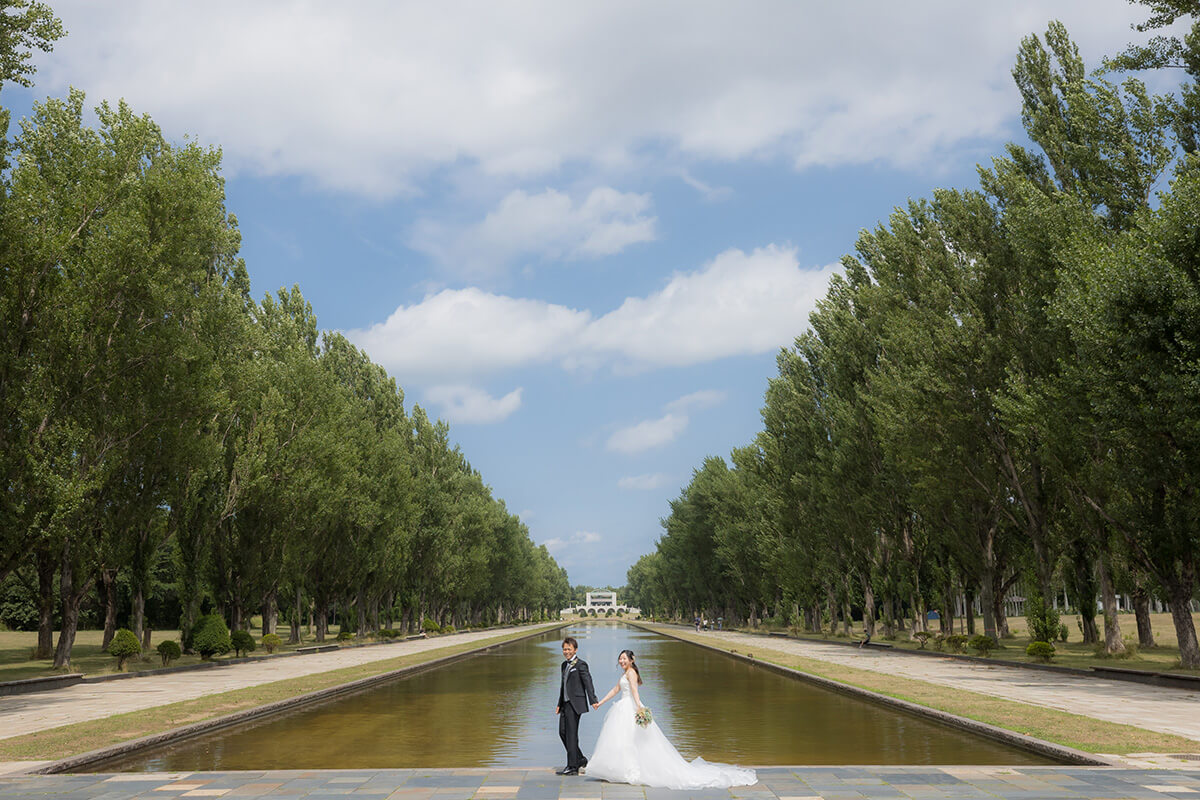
column 643, row 717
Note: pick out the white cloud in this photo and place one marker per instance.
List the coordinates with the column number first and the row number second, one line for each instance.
column 648, row 434
column 463, row 332
column 549, row 226
column 652, row 433
column 738, row 304
column 467, row 404
column 643, row 482
column 374, row 97
column 705, row 398
column 578, row 538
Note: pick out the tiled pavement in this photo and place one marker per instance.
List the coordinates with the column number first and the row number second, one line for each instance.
column 775, row 783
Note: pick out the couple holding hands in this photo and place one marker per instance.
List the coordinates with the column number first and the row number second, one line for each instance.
column 631, row 747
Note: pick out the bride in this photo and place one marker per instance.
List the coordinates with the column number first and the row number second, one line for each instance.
column 629, row 753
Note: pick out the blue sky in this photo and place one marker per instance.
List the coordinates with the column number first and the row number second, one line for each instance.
column 578, row 232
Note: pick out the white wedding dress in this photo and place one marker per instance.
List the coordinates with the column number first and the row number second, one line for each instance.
column 627, row 753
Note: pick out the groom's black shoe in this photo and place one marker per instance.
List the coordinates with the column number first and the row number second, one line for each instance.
column 566, row 771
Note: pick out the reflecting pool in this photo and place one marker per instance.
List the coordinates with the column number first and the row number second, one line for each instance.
column 497, row 709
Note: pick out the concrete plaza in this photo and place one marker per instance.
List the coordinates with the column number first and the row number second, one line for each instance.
column 775, row 783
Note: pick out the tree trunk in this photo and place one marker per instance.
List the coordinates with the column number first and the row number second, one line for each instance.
column 236, row 612
column 297, row 619
column 889, row 616
column 1108, row 596
column 361, row 613
column 270, row 613
column 1141, row 612
column 71, row 598
column 1185, row 628
column 45, row 569
column 969, row 603
column 322, row 621
column 139, row 614
column 868, row 608
column 918, row 604
column 831, row 607
column 108, row 579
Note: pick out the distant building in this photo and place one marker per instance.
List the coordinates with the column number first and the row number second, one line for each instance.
column 600, row 603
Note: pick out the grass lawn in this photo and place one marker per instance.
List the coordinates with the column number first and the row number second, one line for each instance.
column 1071, row 653
column 83, row 737
column 1060, row 727
column 16, row 650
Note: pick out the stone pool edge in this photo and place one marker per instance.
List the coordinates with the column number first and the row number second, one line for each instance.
column 70, row 763
column 1066, row 754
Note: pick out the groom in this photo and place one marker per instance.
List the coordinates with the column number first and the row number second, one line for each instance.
column 574, row 692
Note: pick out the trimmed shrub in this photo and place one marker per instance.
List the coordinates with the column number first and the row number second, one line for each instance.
column 429, row 626
column 242, row 642
column 168, row 651
column 982, row 643
column 957, row 642
column 921, row 638
column 1043, row 619
column 1063, row 631
column 1042, row 651
column 210, row 636
column 345, row 636
column 448, row 629
column 124, row 645
column 271, row 641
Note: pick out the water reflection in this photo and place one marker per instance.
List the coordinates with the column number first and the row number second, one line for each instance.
column 497, row 709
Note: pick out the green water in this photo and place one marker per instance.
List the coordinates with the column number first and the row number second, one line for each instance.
column 497, row 709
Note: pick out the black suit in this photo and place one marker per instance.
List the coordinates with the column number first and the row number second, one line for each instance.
column 575, row 694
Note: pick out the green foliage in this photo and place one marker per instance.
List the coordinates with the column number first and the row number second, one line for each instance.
column 345, row 636
column 1043, row 619
column 168, row 651
column 210, row 636
column 25, row 26
column 242, row 641
column 271, row 642
column 957, row 642
column 1063, row 632
column 1042, row 651
column 430, row 626
column 982, row 644
column 922, row 638
column 123, row 646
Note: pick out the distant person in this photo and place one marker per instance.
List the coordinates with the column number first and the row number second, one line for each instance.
column 574, row 692
column 697, row 621
column 636, row 751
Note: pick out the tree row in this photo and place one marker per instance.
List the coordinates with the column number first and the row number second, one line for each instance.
column 998, row 395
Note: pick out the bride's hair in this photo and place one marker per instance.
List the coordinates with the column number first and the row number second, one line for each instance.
column 632, row 663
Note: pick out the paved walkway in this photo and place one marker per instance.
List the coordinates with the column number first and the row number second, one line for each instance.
column 1162, row 709
column 29, row 713
column 774, row 783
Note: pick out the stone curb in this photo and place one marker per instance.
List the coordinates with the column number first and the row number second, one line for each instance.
column 1066, row 754
column 177, row 734
column 43, row 683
